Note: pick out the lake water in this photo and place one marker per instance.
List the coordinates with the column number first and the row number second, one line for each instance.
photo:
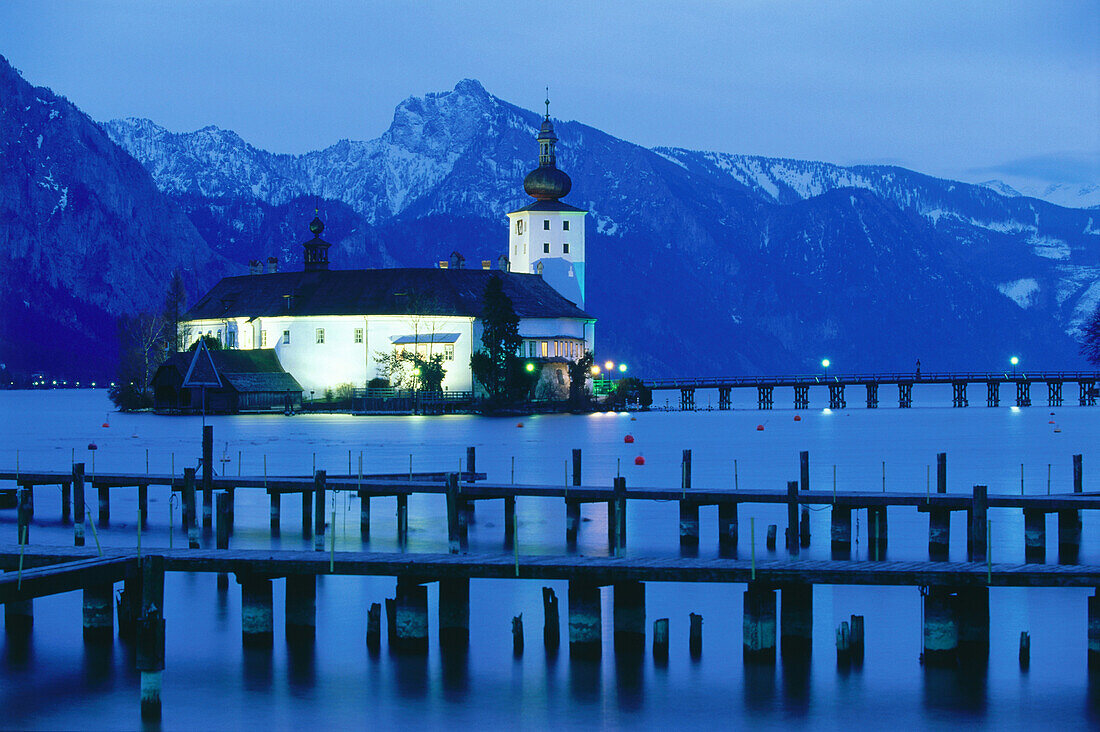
column 210, row 682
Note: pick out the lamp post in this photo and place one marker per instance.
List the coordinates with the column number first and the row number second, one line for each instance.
column 825, row 365
column 1014, row 361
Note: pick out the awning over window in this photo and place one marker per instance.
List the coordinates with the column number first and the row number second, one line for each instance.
column 426, row 338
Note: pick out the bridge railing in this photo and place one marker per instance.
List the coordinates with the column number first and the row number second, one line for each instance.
column 894, row 377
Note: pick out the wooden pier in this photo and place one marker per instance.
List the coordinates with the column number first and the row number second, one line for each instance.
column 955, row 595
column 765, row 386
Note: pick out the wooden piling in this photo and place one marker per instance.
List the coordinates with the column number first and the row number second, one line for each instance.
column 307, row 513
column 660, row 641
column 976, row 528
column 840, row 530
column 301, row 607
column 189, row 508
column 972, row 611
column 804, row 528
column 804, row 470
column 843, row 645
column 391, row 623
column 616, row 518
column 689, row 524
column 792, row 517
column 876, row 532
column 18, row 617
column 150, row 636
column 551, row 624
column 104, row 492
column 727, row 528
column 1069, row 536
column 1078, row 475
column 573, row 507
column 402, row 519
column 517, row 636
column 207, row 476
column 99, row 612
column 129, row 606
column 1025, row 650
column 223, row 521
column 364, row 515
column 411, row 626
column 796, row 621
column 454, row 539
column 454, row 613
column 758, row 625
column 79, row 511
column 1035, row 535
column 695, row 635
column 1094, row 630
column 769, row 542
column 66, row 503
column 319, row 510
column 856, row 639
column 143, row 506
column 276, row 511
column 23, row 515
column 257, row 614
column 629, row 617
column 374, row 627
column 941, row 632
column 585, row 625
column 509, row 521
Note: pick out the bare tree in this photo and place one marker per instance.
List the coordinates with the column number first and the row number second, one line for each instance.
column 1090, row 343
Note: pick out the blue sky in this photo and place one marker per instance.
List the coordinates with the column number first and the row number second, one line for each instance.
column 961, row 89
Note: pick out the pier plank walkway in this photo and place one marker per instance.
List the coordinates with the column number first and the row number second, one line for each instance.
column 63, row 576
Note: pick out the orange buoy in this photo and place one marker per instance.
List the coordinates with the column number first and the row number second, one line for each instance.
column 519, row 424
column 759, row 428
column 798, row 418
column 628, row 439
column 106, row 424
column 1050, row 422
column 639, row 460
column 633, row 419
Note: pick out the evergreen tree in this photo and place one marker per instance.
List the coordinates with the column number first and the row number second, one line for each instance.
column 496, row 365
column 175, row 305
column 1090, row 344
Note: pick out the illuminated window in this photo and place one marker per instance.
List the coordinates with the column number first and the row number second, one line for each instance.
column 286, row 337
column 449, row 352
column 565, row 248
column 546, row 248
column 422, row 350
column 565, row 225
column 263, row 339
column 557, row 348
column 320, row 335
column 546, row 224
column 545, row 349
column 358, row 335
column 231, row 338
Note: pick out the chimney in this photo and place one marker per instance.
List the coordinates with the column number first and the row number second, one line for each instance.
column 255, row 267
column 443, row 264
column 503, row 263
column 457, row 260
column 486, row 264
column 272, row 265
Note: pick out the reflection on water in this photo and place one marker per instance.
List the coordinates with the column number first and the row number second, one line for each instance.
column 211, row 682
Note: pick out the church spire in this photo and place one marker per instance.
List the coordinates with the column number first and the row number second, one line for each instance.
column 546, row 182
column 316, row 249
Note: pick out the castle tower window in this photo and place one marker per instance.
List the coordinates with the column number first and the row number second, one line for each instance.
column 263, row 339
column 565, row 225
column 546, row 248
column 320, row 335
column 565, row 246
column 546, row 224
column 358, row 335
column 286, row 337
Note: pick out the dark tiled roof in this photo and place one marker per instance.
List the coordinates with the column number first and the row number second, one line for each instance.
column 549, row 206
column 244, row 383
column 378, row 292
column 253, row 370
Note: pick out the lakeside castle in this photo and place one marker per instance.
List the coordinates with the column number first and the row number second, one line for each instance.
column 324, row 327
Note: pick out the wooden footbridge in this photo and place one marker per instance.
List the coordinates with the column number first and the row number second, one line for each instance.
column 955, row 595
column 800, row 384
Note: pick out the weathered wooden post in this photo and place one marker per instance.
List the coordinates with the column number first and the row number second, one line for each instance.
column 411, row 618
column 1035, row 535
column 189, row 508
column 617, row 517
column 364, row 515
column 1078, row 475
column 207, row 476
column 391, row 623
column 629, row 617
column 876, row 532
column 223, row 521
column 585, row 626
column 307, row 513
column 976, row 529
column 843, row 645
column 319, row 510
column 150, row 635
column 276, row 510
column 301, row 607
column 804, row 528
column 454, row 612
column 939, row 519
column 143, row 505
column 257, row 615
column 18, row 617
column 941, row 630
column 509, row 521
column 551, row 625
column 758, row 626
column 374, row 627
column 454, row 539
column 769, row 540
column 840, row 530
column 129, row 604
column 792, row 517
column 804, row 470
column 23, row 515
column 66, row 503
column 660, row 641
column 104, row 492
column 471, row 468
column 402, row 518
column 99, row 612
column 1025, row 650
column 517, row 636
column 78, row 504
column 856, row 639
column 1069, row 536
column 973, row 622
column 727, row 528
column 573, row 507
column 796, row 621
column 689, row 509
column 695, row 635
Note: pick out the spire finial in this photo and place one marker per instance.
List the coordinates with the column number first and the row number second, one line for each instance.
column 547, row 102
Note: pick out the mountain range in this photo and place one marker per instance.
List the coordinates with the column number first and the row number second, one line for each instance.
column 698, row 262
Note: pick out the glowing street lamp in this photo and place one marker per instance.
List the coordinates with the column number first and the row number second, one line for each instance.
column 622, row 368
column 530, row 366
column 1014, row 361
column 595, row 370
column 825, row 365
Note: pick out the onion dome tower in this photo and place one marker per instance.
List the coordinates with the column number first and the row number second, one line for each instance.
column 547, row 237
column 316, row 254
